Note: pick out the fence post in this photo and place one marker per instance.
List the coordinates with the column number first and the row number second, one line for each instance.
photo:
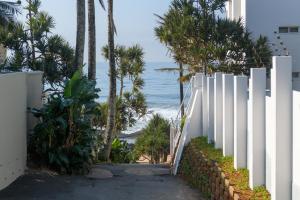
column 240, row 121
column 281, row 94
column 228, row 139
column 199, row 77
column 218, row 108
column 210, row 106
column 256, row 139
column 194, row 115
column 204, row 106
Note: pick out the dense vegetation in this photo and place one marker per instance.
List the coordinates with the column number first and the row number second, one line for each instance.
column 64, row 139
column 155, row 140
column 35, row 47
column 197, row 37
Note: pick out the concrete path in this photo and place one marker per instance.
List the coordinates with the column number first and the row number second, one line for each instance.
column 106, row 182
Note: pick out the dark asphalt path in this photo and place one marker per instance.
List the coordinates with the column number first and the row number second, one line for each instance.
column 107, row 182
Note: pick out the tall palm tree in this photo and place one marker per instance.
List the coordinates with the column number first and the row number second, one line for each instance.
column 92, row 38
column 92, row 41
column 110, row 128
column 80, row 38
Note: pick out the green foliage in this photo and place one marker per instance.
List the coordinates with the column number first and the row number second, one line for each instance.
column 121, row 152
column 155, row 139
column 64, row 139
column 131, row 103
column 239, row 179
column 34, row 47
column 198, row 38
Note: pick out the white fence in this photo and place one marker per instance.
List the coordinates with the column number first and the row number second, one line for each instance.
column 259, row 128
column 18, row 91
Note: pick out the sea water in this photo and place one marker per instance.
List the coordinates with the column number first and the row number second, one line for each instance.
column 161, row 91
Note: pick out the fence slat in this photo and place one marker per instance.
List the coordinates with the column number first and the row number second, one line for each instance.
column 228, row 139
column 210, row 106
column 218, row 108
column 256, row 139
column 240, row 121
column 281, row 95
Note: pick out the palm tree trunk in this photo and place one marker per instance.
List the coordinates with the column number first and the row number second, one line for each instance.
column 92, row 40
column 121, row 85
column 80, row 38
column 181, row 89
column 109, row 132
column 31, row 34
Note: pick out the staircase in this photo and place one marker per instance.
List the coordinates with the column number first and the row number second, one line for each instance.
column 180, row 136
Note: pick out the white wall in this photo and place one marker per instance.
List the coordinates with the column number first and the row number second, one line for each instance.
column 296, row 145
column 13, row 123
column 263, row 17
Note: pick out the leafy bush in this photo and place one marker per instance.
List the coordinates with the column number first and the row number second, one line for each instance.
column 65, row 139
column 121, row 152
column 155, row 140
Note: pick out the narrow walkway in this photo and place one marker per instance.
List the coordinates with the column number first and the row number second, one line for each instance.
column 107, row 182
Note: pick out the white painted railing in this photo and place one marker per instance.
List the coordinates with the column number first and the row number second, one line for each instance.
column 259, row 128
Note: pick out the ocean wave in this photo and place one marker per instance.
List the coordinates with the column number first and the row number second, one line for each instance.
column 167, row 113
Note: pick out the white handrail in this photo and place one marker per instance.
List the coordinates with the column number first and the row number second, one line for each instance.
column 177, row 135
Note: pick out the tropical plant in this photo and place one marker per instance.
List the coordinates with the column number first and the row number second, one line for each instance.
column 64, row 139
column 209, row 43
column 112, row 97
column 155, row 140
column 122, row 152
column 131, row 103
column 172, row 31
column 34, row 47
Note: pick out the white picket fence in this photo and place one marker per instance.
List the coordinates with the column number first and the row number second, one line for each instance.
column 259, row 127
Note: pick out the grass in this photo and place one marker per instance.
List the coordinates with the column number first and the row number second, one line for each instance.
column 239, row 179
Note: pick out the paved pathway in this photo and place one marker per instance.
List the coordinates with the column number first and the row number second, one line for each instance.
column 106, row 182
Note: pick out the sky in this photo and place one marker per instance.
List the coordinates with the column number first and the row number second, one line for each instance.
column 134, row 20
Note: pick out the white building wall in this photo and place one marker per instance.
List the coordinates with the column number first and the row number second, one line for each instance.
column 264, row 17
column 296, row 146
column 13, row 122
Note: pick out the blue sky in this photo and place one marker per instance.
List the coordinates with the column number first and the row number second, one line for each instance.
column 134, row 19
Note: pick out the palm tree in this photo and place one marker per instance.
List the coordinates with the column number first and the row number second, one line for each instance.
column 110, row 128
column 80, row 38
column 173, row 31
column 92, row 39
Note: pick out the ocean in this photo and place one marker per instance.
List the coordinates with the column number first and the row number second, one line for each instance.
column 161, row 90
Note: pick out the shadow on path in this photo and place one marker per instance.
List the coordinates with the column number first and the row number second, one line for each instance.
column 105, row 182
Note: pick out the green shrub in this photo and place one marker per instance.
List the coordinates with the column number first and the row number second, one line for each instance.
column 155, row 140
column 64, row 139
column 121, row 152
